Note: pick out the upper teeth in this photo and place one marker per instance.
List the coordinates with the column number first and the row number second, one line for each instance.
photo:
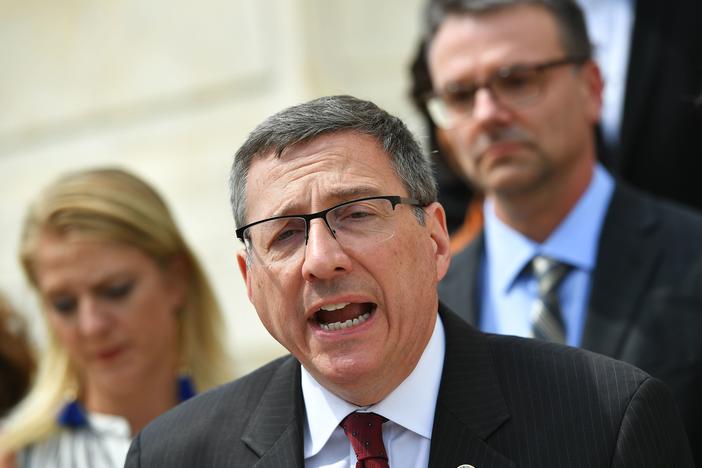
column 334, row 306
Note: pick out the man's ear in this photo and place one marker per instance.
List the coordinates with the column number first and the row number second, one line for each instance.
column 241, row 259
column 438, row 232
column 594, row 86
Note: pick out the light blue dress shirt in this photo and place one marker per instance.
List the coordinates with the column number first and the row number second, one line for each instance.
column 509, row 292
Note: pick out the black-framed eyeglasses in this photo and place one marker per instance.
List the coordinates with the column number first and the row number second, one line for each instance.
column 354, row 224
column 517, row 85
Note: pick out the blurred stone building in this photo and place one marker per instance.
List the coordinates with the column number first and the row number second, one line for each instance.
column 169, row 90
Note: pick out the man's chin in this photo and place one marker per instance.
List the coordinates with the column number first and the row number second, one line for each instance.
column 346, row 370
column 505, row 181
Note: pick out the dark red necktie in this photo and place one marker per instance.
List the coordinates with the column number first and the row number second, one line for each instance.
column 364, row 430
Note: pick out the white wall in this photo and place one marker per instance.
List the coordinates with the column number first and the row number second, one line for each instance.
column 170, row 89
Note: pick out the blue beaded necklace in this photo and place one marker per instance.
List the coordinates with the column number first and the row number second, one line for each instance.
column 74, row 416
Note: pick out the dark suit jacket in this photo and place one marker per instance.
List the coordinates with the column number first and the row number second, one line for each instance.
column 660, row 146
column 645, row 304
column 503, row 402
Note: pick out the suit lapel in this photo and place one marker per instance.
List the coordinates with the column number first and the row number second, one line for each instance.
column 275, row 431
column 460, row 288
column 470, row 406
column 626, row 260
column 642, row 71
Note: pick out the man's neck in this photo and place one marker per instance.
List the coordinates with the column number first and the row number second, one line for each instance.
column 538, row 212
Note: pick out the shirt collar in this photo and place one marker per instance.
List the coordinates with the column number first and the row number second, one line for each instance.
column 574, row 241
column 411, row 405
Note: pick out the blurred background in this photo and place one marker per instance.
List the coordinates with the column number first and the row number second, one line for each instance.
column 169, row 90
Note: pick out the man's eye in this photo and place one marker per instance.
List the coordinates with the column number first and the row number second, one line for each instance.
column 460, row 96
column 515, row 81
column 361, row 214
column 285, row 235
column 355, row 213
column 358, row 213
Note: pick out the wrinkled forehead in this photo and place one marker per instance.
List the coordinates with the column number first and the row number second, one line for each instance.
column 469, row 46
column 318, row 173
column 527, row 27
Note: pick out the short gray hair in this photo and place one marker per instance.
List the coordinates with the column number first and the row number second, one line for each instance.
column 331, row 114
column 567, row 14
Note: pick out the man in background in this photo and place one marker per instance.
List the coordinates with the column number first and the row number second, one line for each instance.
column 567, row 253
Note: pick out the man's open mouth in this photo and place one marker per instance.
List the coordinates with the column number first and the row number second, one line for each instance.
column 332, row 317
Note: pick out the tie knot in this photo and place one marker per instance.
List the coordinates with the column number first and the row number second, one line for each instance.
column 549, row 272
column 364, row 431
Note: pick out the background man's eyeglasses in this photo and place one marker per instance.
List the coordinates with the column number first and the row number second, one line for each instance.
column 356, row 224
column 518, row 85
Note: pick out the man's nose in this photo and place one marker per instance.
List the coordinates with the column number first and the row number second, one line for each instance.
column 487, row 107
column 325, row 257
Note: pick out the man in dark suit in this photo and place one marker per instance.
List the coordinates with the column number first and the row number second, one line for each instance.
column 344, row 244
column 518, row 95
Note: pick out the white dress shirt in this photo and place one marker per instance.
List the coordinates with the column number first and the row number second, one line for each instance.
column 409, row 410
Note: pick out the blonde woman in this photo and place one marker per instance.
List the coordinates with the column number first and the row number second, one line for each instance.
column 133, row 325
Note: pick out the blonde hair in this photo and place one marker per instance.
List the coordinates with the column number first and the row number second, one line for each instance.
column 112, row 205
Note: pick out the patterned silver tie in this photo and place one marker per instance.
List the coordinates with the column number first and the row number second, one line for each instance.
column 546, row 317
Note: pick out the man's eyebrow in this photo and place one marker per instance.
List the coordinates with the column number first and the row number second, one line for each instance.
column 349, row 193
column 463, row 83
column 335, row 196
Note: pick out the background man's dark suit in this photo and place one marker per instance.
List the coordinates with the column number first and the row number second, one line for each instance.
column 645, row 304
column 491, row 412
column 661, row 148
